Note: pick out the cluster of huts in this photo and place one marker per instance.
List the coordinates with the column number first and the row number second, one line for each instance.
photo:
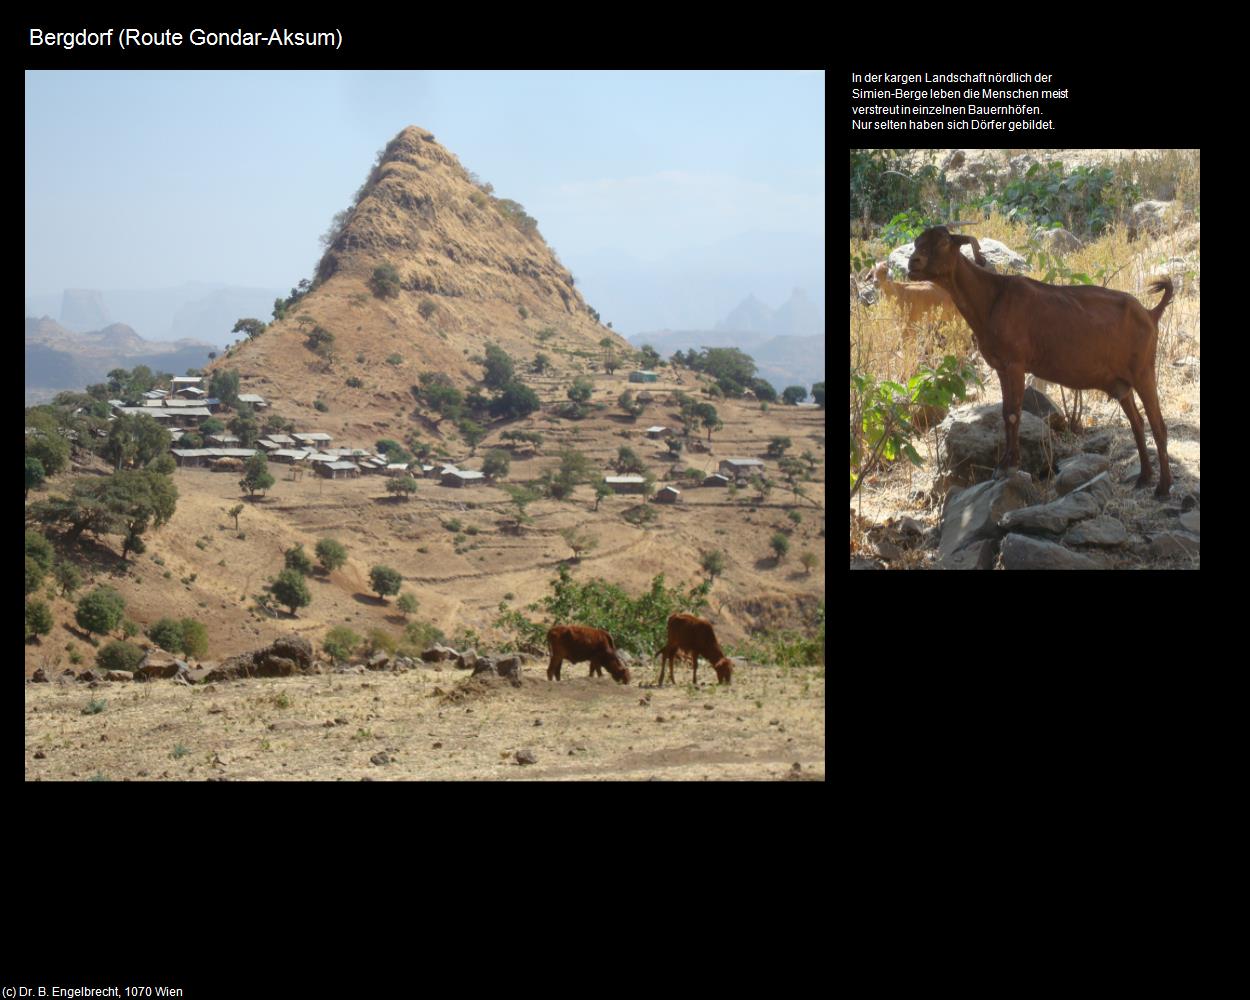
column 186, row 405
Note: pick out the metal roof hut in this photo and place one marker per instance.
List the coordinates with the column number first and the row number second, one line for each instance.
column 625, row 484
column 338, row 470
column 643, row 376
column 462, row 477
column 668, row 494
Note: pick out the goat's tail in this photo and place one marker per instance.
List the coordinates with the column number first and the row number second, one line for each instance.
column 1163, row 285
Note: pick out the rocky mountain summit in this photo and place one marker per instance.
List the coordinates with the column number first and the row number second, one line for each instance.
column 421, row 272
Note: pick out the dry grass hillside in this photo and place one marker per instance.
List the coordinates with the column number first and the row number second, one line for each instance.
column 460, row 575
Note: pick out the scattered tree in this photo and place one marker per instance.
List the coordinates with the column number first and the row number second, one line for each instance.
column 385, row 580
column 67, row 577
column 578, row 542
column 407, row 604
column 118, row 655
column 252, row 327
column 496, row 463
column 291, row 589
column 818, row 393
column 256, row 475
column 793, row 394
column 330, row 554
column 385, row 281
column 234, row 512
column 780, row 545
column 498, row 366
column 777, row 446
column 34, row 474
column 809, row 560
column 341, row 642
column 297, row 559
column 100, row 611
column 401, row 486
column 713, row 563
column 38, row 619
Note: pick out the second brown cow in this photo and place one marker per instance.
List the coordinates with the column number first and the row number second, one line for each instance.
column 577, row 643
column 688, row 634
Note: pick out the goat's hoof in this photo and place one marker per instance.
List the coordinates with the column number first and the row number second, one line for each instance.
column 1162, row 490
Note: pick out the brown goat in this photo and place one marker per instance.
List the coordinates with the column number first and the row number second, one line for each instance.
column 1078, row 336
column 916, row 299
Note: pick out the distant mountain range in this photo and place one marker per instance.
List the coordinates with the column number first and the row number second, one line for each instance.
column 197, row 311
column 58, row 359
column 787, row 343
column 687, row 287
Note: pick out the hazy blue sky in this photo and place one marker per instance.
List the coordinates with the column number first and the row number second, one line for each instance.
column 152, row 179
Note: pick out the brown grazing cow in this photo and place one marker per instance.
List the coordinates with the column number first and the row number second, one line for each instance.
column 577, row 643
column 688, row 634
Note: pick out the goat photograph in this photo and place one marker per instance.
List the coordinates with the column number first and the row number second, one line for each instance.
column 1009, row 309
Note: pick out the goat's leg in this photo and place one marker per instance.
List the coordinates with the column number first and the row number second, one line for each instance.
column 1139, row 435
column 1012, row 382
column 1150, row 400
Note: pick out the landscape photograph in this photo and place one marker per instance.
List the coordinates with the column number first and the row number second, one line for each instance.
column 425, row 425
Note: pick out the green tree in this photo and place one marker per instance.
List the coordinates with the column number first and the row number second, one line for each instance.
column 629, row 404
column 496, row 463
column 499, row 367
column 793, row 394
column 627, row 461
column 708, row 417
column 574, row 468
column 100, row 611
column 67, row 577
column 297, row 559
column 384, row 580
column 401, row 486
column 514, row 401
column 291, row 589
column 602, row 490
column 331, row 554
column 809, row 561
column 522, row 496
column 167, row 633
column 578, row 541
column 234, row 512
column 45, row 443
column 194, row 638
column 34, row 474
column 385, row 282
column 473, row 433
column 407, row 604
column 649, row 357
column 256, row 475
column 40, row 550
column 818, row 393
column 224, row 385
column 777, row 446
column 34, row 575
column 780, row 545
column 541, row 363
column 581, row 389
column 39, row 619
column 713, row 563
column 252, row 327
column 320, row 340
column 341, row 642
column 118, row 655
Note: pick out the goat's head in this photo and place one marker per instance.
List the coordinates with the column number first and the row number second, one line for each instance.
column 935, row 253
column 881, row 272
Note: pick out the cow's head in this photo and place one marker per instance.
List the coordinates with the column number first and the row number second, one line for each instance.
column 724, row 670
column 618, row 670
